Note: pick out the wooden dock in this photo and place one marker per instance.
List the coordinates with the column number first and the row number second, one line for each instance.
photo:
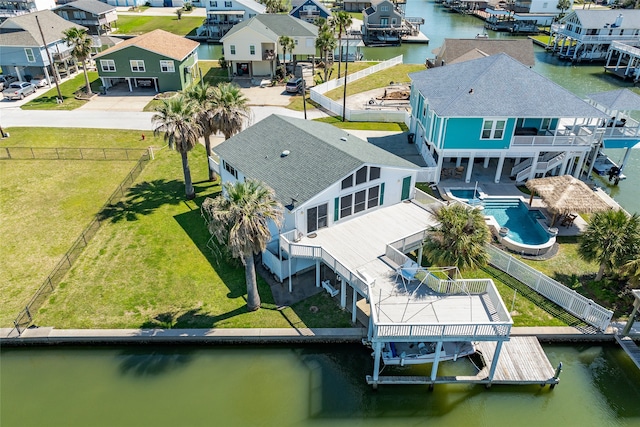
column 631, row 348
column 522, row 361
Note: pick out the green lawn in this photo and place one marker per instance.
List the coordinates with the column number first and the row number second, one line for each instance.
column 45, row 204
column 384, row 126
column 135, row 25
column 47, row 101
column 398, row 73
column 149, row 266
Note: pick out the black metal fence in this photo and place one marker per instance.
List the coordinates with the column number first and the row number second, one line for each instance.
column 25, row 317
column 70, row 153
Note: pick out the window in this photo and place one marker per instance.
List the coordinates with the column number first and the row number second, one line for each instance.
column 361, row 201
column 361, row 175
column 393, row 21
column 317, row 218
column 546, row 123
column 374, row 173
column 384, row 22
column 374, row 195
column 384, row 8
column 493, row 129
column 345, row 205
column 295, row 41
column 252, row 50
column 64, row 14
column 167, row 67
column 77, row 14
column 545, row 5
column 30, row 56
column 347, row 182
column 230, row 169
column 232, row 48
column 213, row 4
column 137, row 65
column 227, row 4
column 108, row 65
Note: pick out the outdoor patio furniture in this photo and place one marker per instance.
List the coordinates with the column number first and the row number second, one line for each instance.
column 458, row 172
column 567, row 221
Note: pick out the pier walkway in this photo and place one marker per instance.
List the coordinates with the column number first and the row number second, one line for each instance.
column 631, row 348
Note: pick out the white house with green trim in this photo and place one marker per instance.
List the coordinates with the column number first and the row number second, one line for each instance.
column 321, row 174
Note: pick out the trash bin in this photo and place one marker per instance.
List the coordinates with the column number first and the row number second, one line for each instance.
column 410, row 137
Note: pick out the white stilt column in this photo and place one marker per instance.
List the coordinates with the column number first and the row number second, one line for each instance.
column 534, row 166
column 434, row 368
column 343, row 293
column 496, row 179
column 467, row 179
column 624, row 159
column 494, row 363
column 486, row 162
column 578, row 171
column 377, row 351
column 354, row 307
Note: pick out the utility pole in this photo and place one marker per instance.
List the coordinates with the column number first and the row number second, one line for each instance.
column 344, row 93
column 304, row 96
column 53, row 68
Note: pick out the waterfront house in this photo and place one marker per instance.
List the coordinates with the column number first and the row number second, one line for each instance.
column 355, row 5
column 252, row 47
column 158, row 60
column 222, row 15
column 96, row 16
column 353, row 207
column 309, row 10
column 11, row 8
column 588, row 34
column 24, row 52
column 499, row 113
column 458, row 50
column 382, row 22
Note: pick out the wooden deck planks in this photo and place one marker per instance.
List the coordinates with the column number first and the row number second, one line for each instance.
column 631, row 348
column 522, row 361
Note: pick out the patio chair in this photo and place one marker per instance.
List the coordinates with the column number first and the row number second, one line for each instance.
column 567, row 221
column 407, row 272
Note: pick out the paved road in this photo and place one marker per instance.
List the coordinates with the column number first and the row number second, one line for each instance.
column 15, row 117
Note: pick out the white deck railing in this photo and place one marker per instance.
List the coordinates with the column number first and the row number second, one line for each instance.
column 576, row 304
column 436, row 332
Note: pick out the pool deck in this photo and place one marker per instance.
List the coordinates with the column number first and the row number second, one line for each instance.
column 507, row 188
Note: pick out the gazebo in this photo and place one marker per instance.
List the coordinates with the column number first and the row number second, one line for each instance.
column 565, row 194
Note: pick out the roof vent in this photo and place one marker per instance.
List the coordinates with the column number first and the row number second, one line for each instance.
column 285, row 153
column 344, row 138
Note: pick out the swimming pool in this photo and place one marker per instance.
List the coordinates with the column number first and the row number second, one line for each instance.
column 464, row 194
column 524, row 232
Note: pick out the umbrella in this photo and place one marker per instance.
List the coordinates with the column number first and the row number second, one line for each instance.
column 565, row 194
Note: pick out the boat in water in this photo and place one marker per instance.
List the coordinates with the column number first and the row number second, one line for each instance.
column 604, row 166
column 405, row 353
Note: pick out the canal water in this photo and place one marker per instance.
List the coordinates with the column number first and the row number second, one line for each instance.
column 580, row 79
column 299, row 386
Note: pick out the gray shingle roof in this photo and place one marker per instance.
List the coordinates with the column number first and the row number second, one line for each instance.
column 454, row 49
column 23, row 30
column 92, row 6
column 317, row 156
column 497, row 86
column 619, row 99
column 597, row 18
column 278, row 25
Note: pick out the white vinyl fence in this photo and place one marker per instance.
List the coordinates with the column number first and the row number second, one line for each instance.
column 568, row 299
column 358, row 115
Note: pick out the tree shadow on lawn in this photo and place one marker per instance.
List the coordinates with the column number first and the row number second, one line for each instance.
column 230, row 271
column 540, row 301
column 192, row 319
column 143, row 199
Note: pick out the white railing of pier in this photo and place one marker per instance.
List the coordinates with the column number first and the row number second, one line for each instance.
column 444, row 332
column 317, row 95
column 576, row 304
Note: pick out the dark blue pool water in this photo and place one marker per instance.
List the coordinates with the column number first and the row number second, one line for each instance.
column 522, row 223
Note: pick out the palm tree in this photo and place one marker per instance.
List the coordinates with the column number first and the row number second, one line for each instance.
column 631, row 270
column 563, row 5
column 326, row 43
column 202, row 95
column 611, row 239
column 82, row 44
column 239, row 219
column 273, row 6
column 343, row 21
column 229, row 108
column 177, row 118
column 459, row 239
column 288, row 44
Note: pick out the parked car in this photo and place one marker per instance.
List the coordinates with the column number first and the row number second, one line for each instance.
column 294, row 85
column 40, row 82
column 18, row 90
column 6, row 80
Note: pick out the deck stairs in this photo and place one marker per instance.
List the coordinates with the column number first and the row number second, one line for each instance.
column 493, row 313
column 631, row 348
column 546, row 163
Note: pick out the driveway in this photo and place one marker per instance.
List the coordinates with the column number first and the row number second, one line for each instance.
column 120, row 100
column 262, row 96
